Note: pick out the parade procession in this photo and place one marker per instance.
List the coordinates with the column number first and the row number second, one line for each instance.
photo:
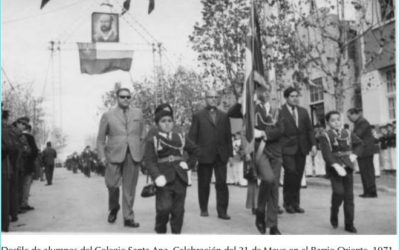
column 247, row 117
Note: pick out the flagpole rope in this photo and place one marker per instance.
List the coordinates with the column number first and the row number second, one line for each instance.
column 43, row 14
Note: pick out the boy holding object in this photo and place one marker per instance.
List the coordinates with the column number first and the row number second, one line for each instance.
column 166, row 166
column 340, row 149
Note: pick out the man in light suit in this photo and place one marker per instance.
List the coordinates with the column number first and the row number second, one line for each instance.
column 120, row 144
column 297, row 140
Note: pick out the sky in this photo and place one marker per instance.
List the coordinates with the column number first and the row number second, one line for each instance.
column 27, row 30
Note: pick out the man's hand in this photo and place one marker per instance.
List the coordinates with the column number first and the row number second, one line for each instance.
column 160, row 181
column 353, row 158
column 314, row 150
column 339, row 169
column 104, row 161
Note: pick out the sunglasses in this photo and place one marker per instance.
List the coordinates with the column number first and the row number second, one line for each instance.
column 125, row 97
column 166, row 120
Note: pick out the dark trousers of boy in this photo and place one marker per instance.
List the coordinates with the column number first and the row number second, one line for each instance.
column 49, row 170
column 204, row 173
column 268, row 195
column 170, row 205
column 342, row 192
column 5, row 199
column 367, row 172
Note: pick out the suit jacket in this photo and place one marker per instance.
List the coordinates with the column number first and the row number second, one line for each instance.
column 116, row 135
column 213, row 139
column 158, row 147
column 29, row 164
column 264, row 122
column 295, row 138
column 333, row 143
column 48, row 156
column 363, row 130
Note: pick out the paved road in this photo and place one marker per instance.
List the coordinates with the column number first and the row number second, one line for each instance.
column 79, row 204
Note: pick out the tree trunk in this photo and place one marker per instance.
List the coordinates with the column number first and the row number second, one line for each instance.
column 339, row 95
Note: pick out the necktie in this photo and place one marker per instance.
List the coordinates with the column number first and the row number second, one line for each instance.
column 294, row 115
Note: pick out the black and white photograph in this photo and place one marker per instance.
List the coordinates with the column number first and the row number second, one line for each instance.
column 105, row 27
column 200, row 117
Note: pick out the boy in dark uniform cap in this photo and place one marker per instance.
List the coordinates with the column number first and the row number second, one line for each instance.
column 340, row 149
column 164, row 162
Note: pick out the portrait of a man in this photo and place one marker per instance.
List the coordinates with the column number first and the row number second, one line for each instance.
column 105, row 27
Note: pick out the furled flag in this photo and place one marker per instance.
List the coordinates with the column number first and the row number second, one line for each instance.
column 254, row 74
column 101, row 58
column 125, row 7
column 151, row 6
column 44, row 2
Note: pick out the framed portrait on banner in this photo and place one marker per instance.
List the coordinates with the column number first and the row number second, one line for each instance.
column 105, row 27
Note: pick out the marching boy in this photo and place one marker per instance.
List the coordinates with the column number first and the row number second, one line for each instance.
column 340, row 149
column 166, row 166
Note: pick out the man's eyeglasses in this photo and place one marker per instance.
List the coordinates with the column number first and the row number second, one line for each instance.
column 125, row 97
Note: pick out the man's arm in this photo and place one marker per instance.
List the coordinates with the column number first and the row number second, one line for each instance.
column 150, row 159
column 310, row 130
column 193, row 152
column 194, row 129
column 228, row 134
column 361, row 129
column 101, row 137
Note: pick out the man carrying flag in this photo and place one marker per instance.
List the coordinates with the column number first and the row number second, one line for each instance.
column 262, row 132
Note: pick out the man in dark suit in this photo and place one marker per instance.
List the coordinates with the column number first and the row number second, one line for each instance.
column 297, row 141
column 363, row 130
column 29, row 167
column 48, row 157
column 211, row 131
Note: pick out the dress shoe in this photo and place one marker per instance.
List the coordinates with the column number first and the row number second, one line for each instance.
column 334, row 222
column 350, row 229
column 280, row 210
column 274, row 231
column 260, row 222
column 204, row 214
column 27, row 208
column 368, row 195
column 131, row 223
column 112, row 216
column 290, row 210
column 299, row 210
column 224, row 217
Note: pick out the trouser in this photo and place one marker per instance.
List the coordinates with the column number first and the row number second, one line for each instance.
column 49, row 169
column 125, row 173
column 28, row 179
column 21, row 178
column 252, row 194
column 221, row 188
column 367, row 171
column 294, row 169
column 13, row 191
column 342, row 192
column 170, row 202
column 5, row 202
column 268, row 196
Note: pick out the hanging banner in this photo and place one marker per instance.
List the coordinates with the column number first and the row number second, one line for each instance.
column 105, row 27
column 100, row 58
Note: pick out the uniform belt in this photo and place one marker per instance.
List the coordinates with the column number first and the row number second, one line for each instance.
column 342, row 153
column 170, row 158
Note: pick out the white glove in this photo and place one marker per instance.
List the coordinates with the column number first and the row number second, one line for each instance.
column 259, row 133
column 184, row 165
column 160, row 181
column 353, row 157
column 339, row 169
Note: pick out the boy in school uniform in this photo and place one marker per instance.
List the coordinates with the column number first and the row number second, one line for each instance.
column 164, row 162
column 340, row 149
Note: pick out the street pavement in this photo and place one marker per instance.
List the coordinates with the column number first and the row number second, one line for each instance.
column 75, row 203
